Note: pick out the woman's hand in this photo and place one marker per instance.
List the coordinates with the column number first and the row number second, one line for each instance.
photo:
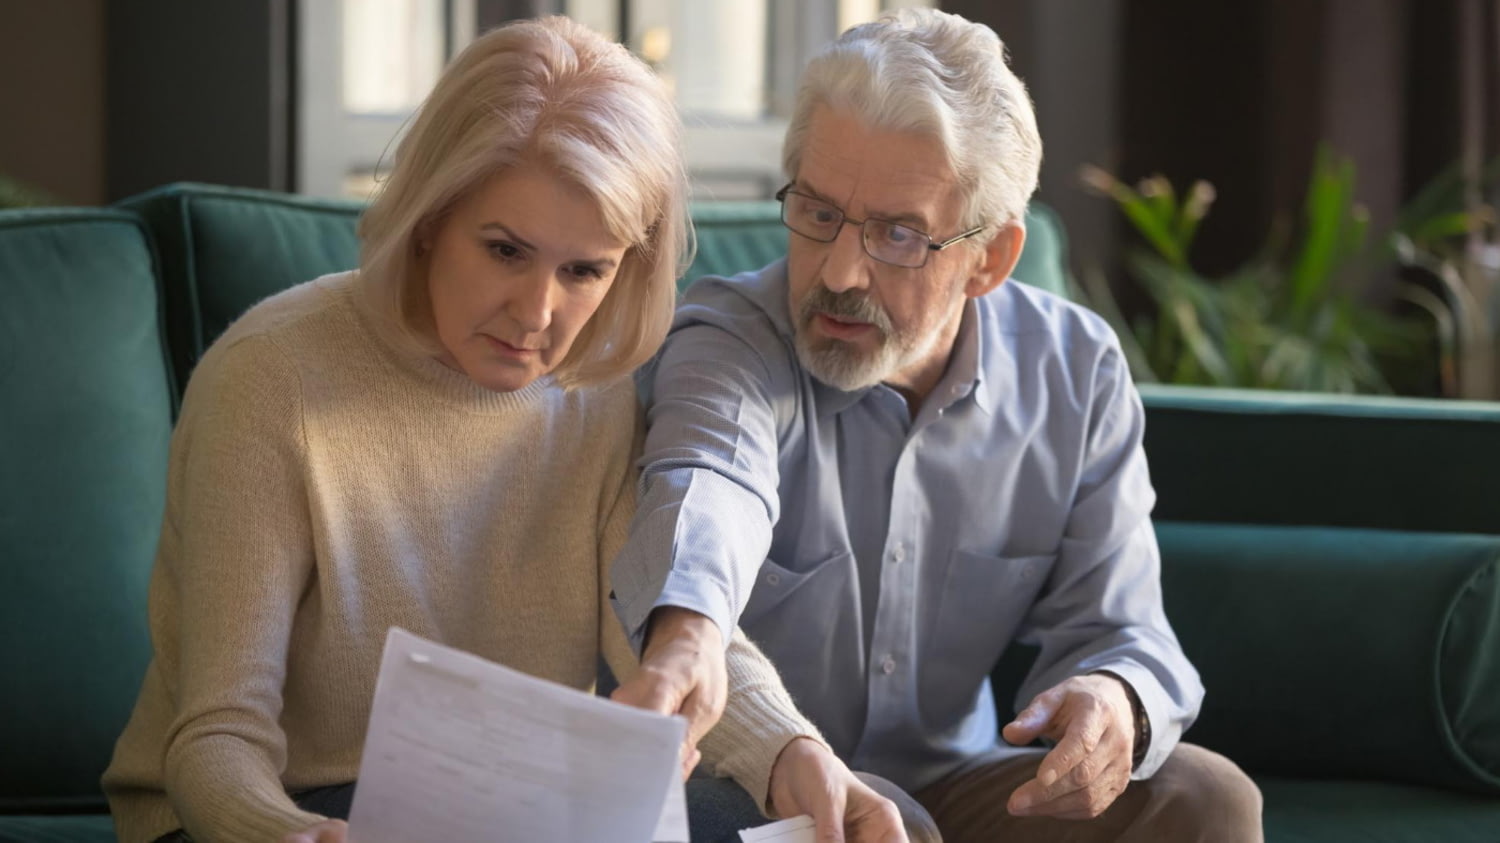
column 327, row 831
column 810, row 779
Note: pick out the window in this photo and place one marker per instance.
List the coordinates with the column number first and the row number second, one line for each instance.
column 731, row 64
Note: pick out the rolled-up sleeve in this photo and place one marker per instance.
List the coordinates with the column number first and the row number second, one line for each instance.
column 708, row 497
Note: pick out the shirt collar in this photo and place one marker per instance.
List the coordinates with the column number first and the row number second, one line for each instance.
column 965, row 373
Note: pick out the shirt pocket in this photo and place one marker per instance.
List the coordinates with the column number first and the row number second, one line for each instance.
column 776, row 584
column 794, row 614
column 983, row 600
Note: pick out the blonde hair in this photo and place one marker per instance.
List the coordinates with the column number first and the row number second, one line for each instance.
column 549, row 93
column 926, row 71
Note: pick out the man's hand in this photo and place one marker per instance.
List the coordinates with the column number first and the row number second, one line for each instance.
column 682, row 672
column 809, row 779
column 1090, row 719
column 327, row 831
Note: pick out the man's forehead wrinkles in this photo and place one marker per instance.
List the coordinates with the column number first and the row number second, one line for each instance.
column 839, row 161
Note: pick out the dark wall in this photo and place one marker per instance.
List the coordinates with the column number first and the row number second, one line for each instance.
column 199, row 91
column 1240, row 94
column 52, row 97
column 1068, row 52
column 1194, row 105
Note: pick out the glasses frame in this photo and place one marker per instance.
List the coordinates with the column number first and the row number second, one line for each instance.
column 845, row 219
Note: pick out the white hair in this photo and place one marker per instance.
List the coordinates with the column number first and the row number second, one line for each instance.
column 934, row 73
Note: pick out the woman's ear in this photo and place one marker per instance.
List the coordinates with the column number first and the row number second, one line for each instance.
column 1000, row 257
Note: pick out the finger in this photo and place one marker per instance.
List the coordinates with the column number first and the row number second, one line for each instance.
column 1024, row 799
column 648, row 690
column 1032, row 721
column 1080, row 740
column 1109, row 757
column 872, row 818
column 690, row 758
column 1082, row 802
column 828, row 819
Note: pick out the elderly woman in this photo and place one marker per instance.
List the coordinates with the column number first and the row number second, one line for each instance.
column 443, row 441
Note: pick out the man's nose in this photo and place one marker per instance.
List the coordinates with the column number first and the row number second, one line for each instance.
column 847, row 266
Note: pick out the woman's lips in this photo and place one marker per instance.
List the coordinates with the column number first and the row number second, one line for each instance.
column 505, row 349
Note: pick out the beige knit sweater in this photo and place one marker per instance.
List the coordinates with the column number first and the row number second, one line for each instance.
column 324, row 487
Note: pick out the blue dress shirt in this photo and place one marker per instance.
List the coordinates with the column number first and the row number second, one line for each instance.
column 884, row 562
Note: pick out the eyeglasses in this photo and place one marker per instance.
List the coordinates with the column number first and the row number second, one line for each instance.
column 884, row 241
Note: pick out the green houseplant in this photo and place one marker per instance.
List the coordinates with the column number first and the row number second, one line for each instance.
column 13, row 194
column 1449, row 232
column 1290, row 318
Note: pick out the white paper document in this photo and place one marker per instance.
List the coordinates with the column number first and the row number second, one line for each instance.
column 794, row 830
column 463, row 749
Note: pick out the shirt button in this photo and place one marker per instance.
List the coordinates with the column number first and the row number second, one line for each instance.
column 773, row 579
column 898, row 553
column 888, row 666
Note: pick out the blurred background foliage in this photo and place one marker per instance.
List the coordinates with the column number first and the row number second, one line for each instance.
column 1299, row 314
column 14, row 194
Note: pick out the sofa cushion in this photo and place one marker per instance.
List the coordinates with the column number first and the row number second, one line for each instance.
column 79, row 828
column 1349, row 653
column 1337, row 811
column 83, row 454
column 224, row 249
column 1261, row 457
column 738, row 236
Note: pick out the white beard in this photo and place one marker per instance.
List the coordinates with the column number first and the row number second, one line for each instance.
column 839, row 364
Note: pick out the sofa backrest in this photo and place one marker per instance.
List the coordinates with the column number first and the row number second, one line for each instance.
column 224, row 249
column 83, row 454
column 1259, row 457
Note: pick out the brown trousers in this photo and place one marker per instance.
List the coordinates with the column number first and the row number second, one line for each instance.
column 1197, row 795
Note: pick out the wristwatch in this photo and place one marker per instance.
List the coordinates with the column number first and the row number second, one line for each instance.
column 1142, row 728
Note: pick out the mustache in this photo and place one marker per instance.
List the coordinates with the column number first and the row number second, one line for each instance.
column 846, row 305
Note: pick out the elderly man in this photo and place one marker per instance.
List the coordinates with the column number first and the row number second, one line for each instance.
column 886, row 463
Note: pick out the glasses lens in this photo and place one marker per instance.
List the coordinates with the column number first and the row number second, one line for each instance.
column 811, row 218
column 895, row 244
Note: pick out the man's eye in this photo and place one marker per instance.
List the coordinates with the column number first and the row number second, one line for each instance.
column 899, row 235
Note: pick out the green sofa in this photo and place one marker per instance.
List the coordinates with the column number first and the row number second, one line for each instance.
column 1332, row 565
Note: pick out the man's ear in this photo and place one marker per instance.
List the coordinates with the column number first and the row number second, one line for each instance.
column 1000, row 257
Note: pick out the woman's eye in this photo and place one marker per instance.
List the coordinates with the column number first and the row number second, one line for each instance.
column 586, row 273
column 504, row 251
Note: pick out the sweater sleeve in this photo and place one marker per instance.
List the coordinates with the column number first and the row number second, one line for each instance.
column 759, row 719
column 237, row 556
